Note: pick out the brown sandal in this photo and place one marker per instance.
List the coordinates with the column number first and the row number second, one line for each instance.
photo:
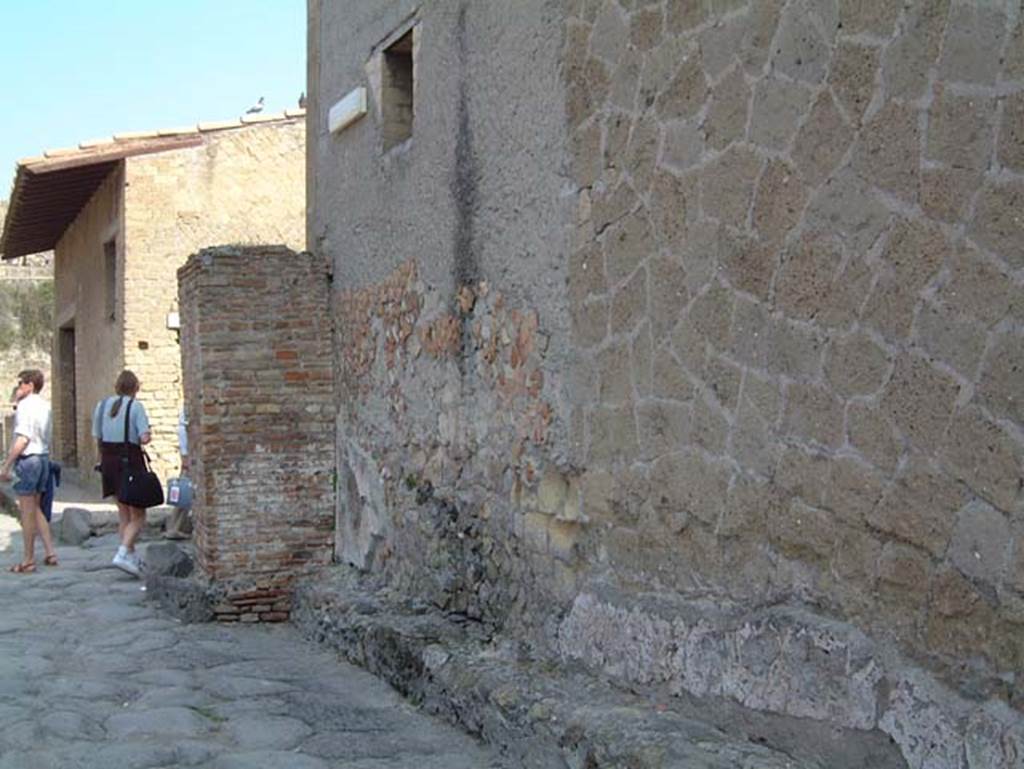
column 50, row 560
column 23, row 568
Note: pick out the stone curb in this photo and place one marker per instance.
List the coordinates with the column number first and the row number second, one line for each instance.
column 553, row 715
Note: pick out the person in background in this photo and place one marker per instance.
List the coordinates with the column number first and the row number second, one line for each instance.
column 30, row 458
column 179, row 525
column 120, row 449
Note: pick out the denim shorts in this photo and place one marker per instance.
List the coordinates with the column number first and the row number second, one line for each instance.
column 33, row 473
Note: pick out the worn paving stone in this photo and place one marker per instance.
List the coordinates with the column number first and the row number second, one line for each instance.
column 105, row 680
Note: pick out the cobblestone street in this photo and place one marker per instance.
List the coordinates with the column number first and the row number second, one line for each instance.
column 91, row 675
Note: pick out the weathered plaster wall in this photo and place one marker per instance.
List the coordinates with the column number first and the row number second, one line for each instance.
column 80, row 301
column 241, row 186
column 449, row 259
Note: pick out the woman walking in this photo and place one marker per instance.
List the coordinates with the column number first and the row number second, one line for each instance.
column 121, row 429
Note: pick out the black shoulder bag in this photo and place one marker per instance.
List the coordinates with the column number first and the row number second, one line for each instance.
column 140, row 487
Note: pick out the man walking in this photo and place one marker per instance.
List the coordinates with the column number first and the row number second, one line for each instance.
column 30, row 458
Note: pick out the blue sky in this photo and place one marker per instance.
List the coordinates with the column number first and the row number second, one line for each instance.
column 72, row 70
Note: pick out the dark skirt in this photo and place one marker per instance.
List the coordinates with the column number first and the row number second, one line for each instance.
column 114, row 459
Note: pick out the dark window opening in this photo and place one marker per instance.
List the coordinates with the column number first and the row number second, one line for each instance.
column 397, row 91
column 110, row 277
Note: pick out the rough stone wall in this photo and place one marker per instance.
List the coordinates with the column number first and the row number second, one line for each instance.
column 795, row 277
column 80, row 301
column 244, row 186
column 256, row 353
column 769, row 356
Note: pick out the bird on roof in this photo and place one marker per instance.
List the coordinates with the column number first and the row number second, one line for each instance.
column 257, row 107
column 302, row 100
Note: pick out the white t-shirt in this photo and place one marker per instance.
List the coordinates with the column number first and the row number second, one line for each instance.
column 32, row 419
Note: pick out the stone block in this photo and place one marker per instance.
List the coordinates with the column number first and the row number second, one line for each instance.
column 813, row 414
column 870, row 432
column 552, row 492
column 854, row 489
column 625, row 80
column 685, row 486
column 610, row 36
column 1011, row 133
column 910, row 57
column 779, row 204
column 664, row 427
column 887, row 153
column 749, row 506
column 683, row 145
column 722, row 379
column 586, row 274
column 629, row 304
column 906, row 568
column 981, row 542
column 167, row 559
column 974, row 41
column 852, row 77
column 614, row 375
column 669, row 293
column 563, row 540
column 642, row 152
column 670, row 382
column 875, row 17
column 803, row 475
column 889, row 309
column 801, row 52
column 613, row 435
column 683, row 15
column 960, row 130
column 998, row 224
column 920, row 507
column 727, row 185
column 535, row 532
column 726, row 119
column 856, row 365
column 747, row 262
column 1016, row 574
column 685, row 94
column 626, row 245
column 802, row 532
column 919, row 400
column 587, row 89
column 856, row 561
column 612, row 203
column 979, row 288
column 641, row 362
column 673, row 203
column 1013, row 65
column 951, row 339
column 646, row 28
column 845, row 206
column 709, row 427
column 1001, row 385
column 590, row 322
column 946, row 193
column 778, row 107
column 822, row 140
column 598, row 491
column 75, row 526
column 710, row 315
column 806, row 276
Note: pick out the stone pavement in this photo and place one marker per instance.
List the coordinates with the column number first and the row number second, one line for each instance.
column 92, row 675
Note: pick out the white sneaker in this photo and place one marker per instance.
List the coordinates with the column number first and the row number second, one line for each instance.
column 127, row 563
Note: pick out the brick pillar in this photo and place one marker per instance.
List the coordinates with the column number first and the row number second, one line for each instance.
column 258, row 381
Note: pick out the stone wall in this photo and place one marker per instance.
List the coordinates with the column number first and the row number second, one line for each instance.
column 241, row 186
column 742, row 331
column 80, row 308
column 259, row 392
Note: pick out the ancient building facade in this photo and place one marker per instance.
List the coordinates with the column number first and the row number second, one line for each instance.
column 684, row 339
column 123, row 215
